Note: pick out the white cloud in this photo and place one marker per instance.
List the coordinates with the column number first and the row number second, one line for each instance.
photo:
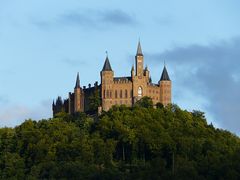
column 13, row 115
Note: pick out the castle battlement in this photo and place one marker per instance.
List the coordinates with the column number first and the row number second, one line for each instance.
column 120, row 80
column 117, row 90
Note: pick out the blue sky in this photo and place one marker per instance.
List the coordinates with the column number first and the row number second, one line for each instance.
column 43, row 44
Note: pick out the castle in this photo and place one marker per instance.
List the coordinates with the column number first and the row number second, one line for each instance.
column 117, row 90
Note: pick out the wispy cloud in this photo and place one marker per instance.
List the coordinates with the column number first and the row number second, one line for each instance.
column 91, row 19
column 117, row 17
column 211, row 73
column 13, row 115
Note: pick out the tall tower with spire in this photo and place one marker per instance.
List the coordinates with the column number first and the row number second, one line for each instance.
column 139, row 60
column 106, row 84
column 165, row 85
column 141, row 77
column 78, row 96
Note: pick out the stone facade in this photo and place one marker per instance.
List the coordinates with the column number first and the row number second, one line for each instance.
column 118, row 90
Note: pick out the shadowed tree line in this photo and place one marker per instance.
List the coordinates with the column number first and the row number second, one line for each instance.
column 141, row 142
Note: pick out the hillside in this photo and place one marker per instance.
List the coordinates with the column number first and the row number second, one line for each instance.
column 123, row 143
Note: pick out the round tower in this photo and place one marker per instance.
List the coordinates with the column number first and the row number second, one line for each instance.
column 165, row 85
column 78, row 103
column 106, row 85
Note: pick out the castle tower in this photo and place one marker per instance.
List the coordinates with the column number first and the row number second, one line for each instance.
column 165, row 88
column 140, row 79
column 139, row 61
column 78, row 96
column 107, row 85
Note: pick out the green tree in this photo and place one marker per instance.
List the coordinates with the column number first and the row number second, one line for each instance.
column 145, row 102
column 94, row 101
column 139, row 142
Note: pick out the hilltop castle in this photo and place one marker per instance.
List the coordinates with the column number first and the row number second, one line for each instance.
column 117, row 90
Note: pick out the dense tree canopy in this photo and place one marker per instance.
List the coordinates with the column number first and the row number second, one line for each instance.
column 124, row 143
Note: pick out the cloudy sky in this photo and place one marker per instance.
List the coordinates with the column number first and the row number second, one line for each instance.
column 43, row 44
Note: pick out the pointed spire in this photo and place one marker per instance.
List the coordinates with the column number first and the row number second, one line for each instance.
column 77, row 82
column 53, row 104
column 107, row 66
column 165, row 76
column 139, row 49
column 146, row 68
column 132, row 68
column 150, row 79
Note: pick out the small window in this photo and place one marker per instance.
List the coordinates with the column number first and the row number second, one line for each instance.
column 116, row 95
column 126, row 94
column 120, row 93
column 140, row 91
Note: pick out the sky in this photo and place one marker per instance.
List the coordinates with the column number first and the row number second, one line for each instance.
column 43, row 44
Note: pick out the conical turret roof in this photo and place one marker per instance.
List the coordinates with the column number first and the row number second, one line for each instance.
column 77, row 81
column 165, row 76
column 107, row 65
column 139, row 49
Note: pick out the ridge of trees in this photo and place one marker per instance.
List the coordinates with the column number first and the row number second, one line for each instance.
column 141, row 142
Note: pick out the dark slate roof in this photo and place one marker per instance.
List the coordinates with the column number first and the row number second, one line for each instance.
column 122, row 79
column 107, row 66
column 139, row 49
column 165, row 76
column 77, row 82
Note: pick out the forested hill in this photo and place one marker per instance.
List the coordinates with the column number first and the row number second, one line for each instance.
column 123, row 143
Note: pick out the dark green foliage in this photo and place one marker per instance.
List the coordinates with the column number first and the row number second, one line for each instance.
column 145, row 102
column 94, row 101
column 159, row 105
column 124, row 143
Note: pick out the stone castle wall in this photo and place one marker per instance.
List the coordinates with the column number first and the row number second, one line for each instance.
column 118, row 90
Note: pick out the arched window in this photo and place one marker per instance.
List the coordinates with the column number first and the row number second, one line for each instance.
column 126, row 93
column 120, row 93
column 104, row 93
column 140, row 91
column 116, row 95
